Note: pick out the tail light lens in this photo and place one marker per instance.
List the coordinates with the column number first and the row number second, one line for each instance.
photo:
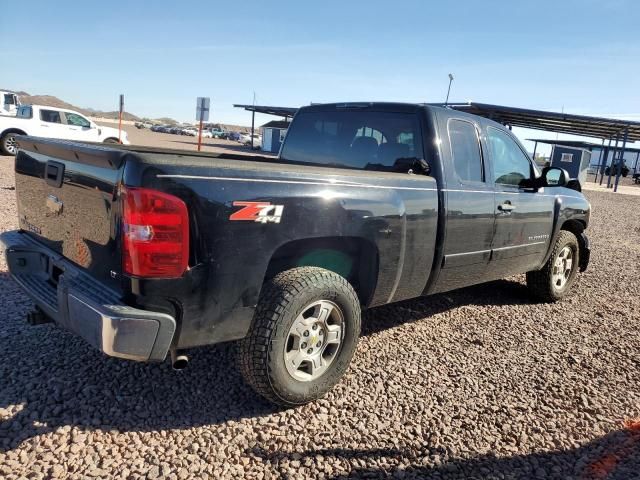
column 155, row 234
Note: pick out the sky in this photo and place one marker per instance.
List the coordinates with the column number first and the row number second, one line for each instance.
column 580, row 56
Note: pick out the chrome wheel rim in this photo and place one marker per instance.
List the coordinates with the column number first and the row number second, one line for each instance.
column 314, row 340
column 10, row 144
column 562, row 268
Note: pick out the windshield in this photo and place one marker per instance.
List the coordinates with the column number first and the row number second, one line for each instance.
column 385, row 141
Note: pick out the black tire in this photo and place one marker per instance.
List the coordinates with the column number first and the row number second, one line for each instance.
column 7, row 143
column 285, row 297
column 541, row 282
column 112, row 141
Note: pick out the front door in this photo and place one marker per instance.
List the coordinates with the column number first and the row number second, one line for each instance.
column 524, row 216
column 80, row 128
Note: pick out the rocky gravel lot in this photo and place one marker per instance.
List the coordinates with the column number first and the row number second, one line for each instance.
column 478, row 383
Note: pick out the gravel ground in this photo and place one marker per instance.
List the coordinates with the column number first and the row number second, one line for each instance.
column 478, row 383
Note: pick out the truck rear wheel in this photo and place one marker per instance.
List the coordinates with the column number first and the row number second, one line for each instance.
column 555, row 279
column 8, row 144
column 304, row 333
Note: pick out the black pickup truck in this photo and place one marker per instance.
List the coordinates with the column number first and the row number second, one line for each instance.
column 147, row 252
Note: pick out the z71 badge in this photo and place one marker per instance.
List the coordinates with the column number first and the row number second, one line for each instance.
column 262, row 212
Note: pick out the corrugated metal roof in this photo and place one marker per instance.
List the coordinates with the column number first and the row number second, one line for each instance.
column 588, row 126
column 269, row 110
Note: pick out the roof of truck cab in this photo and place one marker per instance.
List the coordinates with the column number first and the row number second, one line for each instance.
column 379, row 106
column 47, row 107
column 400, row 107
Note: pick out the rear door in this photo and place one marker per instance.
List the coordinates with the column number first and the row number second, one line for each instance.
column 52, row 124
column 469, row 205
column 524, row 216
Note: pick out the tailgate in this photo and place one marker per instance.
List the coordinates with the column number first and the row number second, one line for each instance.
column 66, row 199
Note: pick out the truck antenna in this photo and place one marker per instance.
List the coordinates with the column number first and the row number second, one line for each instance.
column 446, row 102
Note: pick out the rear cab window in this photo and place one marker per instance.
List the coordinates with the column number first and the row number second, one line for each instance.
column 50, row 116
column 24, row 112
column 363, row 139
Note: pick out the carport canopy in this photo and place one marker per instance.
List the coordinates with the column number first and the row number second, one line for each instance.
column 577, row 144
column 583, row 125
column 286, row 112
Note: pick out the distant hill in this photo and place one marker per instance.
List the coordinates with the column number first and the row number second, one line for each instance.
column 51, row 101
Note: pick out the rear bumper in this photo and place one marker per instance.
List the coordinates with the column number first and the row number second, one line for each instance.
column 85, row 306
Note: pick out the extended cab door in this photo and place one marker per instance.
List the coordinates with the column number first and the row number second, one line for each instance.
column 80, row 128
column 524, row 216
column 50, row 124
column 469, row 199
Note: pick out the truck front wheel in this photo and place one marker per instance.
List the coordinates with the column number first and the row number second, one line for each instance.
column 554, row 280
column 304, row 333
column 9, row 144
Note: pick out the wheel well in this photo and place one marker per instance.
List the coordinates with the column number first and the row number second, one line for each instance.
column 115, row 139
column 12, row 130
column 574, row 226
column 354, row 258
column 577, row 227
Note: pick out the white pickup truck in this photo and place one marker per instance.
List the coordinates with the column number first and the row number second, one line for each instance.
column 51, row 122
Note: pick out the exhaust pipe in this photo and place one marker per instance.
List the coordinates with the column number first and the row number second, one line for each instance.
column 179, row 359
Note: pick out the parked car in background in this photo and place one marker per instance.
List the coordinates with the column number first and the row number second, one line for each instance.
column 624, row 171
column 218, row 133
column 246, row 139
column 235, row 136
column 51, row 122
column 207, row 134
column 190, row 132
column 9, row 103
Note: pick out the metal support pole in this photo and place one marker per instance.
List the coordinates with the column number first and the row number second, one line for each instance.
column 253, row 122
column 621, row 161
column 603, row 161
column 613, row 160
column 635, row 166
column 535, row 147
column 599, row 161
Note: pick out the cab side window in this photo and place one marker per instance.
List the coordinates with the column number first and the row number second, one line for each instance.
column 466, row 152
column 50, row 116
column 510, row 165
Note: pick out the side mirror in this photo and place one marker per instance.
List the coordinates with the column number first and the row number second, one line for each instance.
column 554, row 177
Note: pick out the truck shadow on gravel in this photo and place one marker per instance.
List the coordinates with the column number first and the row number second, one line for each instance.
column 497, row 293
column 51, row 379
column 615, row 456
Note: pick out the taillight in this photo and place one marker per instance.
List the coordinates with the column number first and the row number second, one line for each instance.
column 155, row 234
